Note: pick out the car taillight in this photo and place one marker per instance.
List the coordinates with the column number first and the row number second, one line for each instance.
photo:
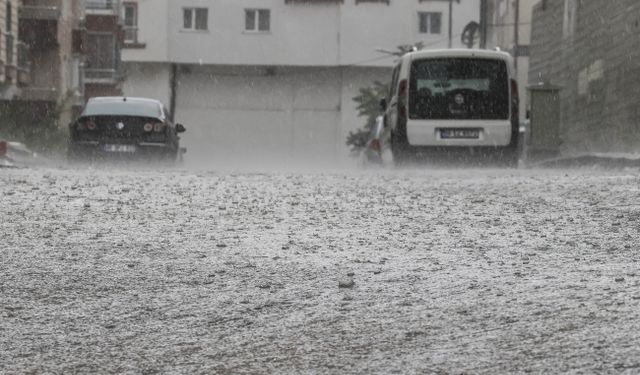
column 375, row 145
column 515, row 99
column 3, row 148
column 402, row 100
column 158, row 127
column 148, row 127
column 90, row 125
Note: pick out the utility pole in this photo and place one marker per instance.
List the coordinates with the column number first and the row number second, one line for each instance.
column 450, row 23
column 516, row 35
column 484, row 16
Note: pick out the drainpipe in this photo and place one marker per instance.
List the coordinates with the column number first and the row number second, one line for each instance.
column 173, row 87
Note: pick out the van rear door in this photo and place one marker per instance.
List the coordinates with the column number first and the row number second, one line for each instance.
column 459, row 101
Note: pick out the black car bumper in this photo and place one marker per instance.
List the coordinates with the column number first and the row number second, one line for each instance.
column 92, row 150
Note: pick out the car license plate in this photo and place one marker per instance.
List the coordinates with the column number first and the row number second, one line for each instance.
column 119, row 148
column 459, row 133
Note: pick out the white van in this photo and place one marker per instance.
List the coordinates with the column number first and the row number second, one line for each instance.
column 453, row 101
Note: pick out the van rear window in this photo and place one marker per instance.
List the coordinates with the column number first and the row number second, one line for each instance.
column 459, row 88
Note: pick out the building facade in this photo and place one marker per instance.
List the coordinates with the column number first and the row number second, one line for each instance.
column 47, row 29
column 508, row 27
column 102, row 44
column 274, row 78
column 589, row 51
column 13, row 66
column 54, row 55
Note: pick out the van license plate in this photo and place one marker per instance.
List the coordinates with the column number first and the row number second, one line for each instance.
column 459, row 133
column 120, row 148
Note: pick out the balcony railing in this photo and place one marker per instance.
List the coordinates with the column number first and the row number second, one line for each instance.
column 130, row 34
column 103, row 6
column 107, row 76
column 39, row 12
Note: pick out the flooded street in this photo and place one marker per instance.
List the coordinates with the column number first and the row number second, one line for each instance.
column 379, row 271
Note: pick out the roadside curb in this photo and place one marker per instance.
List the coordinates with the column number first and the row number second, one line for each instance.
column 589, row 160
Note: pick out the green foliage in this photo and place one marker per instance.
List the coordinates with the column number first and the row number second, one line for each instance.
column 368, row 106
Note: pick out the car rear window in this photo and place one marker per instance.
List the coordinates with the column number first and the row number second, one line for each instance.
column 123, row 108
column 459, row 88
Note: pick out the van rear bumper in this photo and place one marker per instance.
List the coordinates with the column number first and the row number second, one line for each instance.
column 489, row 133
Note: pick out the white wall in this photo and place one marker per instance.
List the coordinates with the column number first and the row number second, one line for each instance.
column 325, row 34
column 153, row 31
column 237, row 113
column 149, row 80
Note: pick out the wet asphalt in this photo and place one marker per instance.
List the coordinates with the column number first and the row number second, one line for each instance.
column 411, row 271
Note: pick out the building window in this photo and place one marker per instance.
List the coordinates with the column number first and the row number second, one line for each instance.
column 430, row 22
column 257, row 20
column 101, row 56
column 569, row 22
column 195, row 19
column 372, row 1
column 130, row 22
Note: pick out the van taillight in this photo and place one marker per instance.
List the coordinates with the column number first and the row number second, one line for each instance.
column 515, row 102
column 402, row 100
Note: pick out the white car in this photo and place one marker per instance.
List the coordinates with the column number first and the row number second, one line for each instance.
column 454, row 102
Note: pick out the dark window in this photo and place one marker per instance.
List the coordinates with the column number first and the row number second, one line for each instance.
column 101, row 55
column 430, row 22
column 195, row 19
column 257, row 20
column 459, row 88
column 202, row 18
column 130, row 22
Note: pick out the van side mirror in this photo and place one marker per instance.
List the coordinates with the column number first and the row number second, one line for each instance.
column 383, row 104
column 180, row 128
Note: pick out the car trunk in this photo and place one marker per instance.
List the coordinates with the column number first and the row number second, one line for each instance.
column 117, row 129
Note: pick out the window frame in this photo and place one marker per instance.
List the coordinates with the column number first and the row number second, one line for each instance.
column 428, row 16
column 193, row 27
column 257, row 20
column 134, row 27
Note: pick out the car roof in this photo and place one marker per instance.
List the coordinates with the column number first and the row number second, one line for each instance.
column 123, row 106
column 459, row 52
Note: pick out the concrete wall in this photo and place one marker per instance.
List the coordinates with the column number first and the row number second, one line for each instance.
column 251, row 113
column 595, row 61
